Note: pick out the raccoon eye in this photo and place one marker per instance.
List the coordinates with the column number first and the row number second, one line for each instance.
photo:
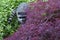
column 22, row 17
column 21, row 13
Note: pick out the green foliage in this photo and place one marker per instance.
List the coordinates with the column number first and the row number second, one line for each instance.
column 6, row 7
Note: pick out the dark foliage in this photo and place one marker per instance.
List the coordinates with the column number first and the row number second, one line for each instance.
column 41, row 23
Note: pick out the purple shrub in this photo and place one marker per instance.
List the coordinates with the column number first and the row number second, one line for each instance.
column 43, row 22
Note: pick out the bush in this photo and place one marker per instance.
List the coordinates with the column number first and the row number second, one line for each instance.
column 43, row 22
column 6, row 7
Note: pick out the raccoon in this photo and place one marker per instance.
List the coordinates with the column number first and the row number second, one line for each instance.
column 20, row 13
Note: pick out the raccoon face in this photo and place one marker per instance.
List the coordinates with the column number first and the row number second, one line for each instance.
column 21, row 17
column 20, row 13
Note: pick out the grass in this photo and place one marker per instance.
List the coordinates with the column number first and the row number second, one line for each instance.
column 6, row 7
